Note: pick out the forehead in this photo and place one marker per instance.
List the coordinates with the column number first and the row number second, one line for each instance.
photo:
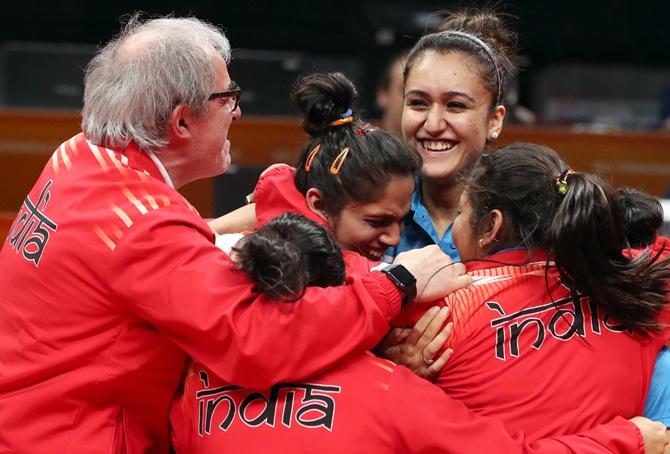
column 394, row 200
column 440, row 72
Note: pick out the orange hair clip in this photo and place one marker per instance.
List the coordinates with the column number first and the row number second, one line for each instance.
column 339, row 160
column 311, row 156
column 341, row 121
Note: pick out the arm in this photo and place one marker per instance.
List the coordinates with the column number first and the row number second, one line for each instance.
column 167, row 271
column 276, row 193
column 240, row 220
column 425, row 420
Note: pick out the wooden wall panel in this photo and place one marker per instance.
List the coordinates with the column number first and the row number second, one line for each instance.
column 27, row 139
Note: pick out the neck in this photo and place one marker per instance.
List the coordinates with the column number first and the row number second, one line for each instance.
column 172, row 163
column 165, row 173
column 441, row 201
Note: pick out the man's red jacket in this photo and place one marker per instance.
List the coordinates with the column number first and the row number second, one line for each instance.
column 108, row 280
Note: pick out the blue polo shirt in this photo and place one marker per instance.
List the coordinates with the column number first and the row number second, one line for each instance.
column 658, row 398
column 418, row 231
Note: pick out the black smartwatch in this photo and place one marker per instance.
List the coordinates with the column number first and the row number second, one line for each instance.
column 404, row 280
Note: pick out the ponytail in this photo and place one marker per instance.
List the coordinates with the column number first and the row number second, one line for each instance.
column 578, row 218
column 588, row 238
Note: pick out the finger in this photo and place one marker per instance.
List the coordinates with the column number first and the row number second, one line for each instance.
column 438, row 342
column 422, row 324
column 458, row 268
column 460, row 282
column 403, row 333
column 433, row 330
column 435, row 368
column 395, row 337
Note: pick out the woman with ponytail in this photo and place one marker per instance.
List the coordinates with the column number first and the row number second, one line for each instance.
column 562, row 326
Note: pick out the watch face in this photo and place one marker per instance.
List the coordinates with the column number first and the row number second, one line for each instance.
column 404, row 277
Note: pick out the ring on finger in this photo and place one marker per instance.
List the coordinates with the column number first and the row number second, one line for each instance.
column 426, row 360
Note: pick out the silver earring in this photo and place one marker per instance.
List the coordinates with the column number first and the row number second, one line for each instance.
column 494, row 135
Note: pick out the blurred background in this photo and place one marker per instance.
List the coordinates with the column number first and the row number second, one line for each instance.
column 594, row 81
column 602, row 64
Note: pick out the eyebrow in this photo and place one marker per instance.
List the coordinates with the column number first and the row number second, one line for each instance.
column 452, row 93
column 386, row 216
column 445, row 94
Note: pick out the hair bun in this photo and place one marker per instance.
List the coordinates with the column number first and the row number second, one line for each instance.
column 488, row 26
column 322, row 98
column 274, row 263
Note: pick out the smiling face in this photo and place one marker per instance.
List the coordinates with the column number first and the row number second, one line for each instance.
column 369, row 228
column 447, row 114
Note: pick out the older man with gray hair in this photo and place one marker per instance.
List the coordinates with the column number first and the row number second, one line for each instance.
column 109, row 278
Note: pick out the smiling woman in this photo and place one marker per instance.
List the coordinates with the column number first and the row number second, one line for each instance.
column 454, row 85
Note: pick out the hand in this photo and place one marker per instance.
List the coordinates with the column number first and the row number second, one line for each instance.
column 416, row 347
column 240, row 220
column 251, row 198
column 654, row 435
column 436, row 274
column 273, row 166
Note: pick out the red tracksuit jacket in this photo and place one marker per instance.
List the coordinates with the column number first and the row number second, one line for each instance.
column 109, row 278
column 548, row 369
column 276, row 194
column 366, row 405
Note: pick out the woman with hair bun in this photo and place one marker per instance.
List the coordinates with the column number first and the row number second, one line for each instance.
column 561, row 327
column 352, row 177
column 365, row 404
column 288, row 254
column 455, row 83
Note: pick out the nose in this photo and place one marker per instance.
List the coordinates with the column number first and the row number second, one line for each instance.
column 237, row 113
column 391, row 236
column 435, row 120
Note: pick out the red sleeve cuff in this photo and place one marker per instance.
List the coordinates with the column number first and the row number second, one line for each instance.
column 391, row 296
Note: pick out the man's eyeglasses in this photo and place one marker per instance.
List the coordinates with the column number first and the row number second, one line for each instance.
column 235, row 92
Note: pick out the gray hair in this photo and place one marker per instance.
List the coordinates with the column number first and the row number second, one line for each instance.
column 135, row 82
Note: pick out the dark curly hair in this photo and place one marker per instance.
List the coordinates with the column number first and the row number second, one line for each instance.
column 642, row 216
column 289, row 253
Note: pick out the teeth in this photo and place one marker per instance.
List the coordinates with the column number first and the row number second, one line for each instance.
column 374, row 255
column 432, row 145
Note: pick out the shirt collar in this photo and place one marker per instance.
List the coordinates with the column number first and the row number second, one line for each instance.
column 416, row 196
column 521, row 256
column 145, row 161
column 161, row 168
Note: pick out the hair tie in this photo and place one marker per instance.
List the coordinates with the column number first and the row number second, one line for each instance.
column 346, row 117
column 561, row 181
column 365, row 129
column 490, row 53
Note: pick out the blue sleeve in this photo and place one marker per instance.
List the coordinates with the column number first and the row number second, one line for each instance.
column 658, row 399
